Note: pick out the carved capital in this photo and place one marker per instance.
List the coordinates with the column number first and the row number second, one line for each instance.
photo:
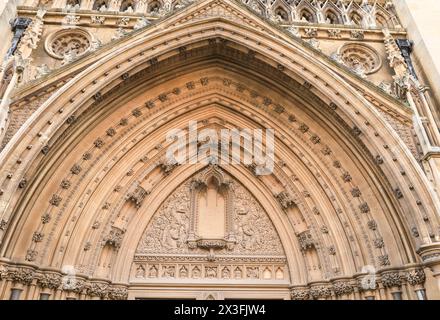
column 320, row 292
column 342, row 288
column 118, row 293
column 49, row 280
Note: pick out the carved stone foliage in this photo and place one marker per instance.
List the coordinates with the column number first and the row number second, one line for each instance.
column 300, row 294
column 226, row 269
column 174, row 245
column 392, row 279
column 285, row 200
column 71, row 41
column 362, row 59
column 137, row 196
column 98, row 290
column 118, row 293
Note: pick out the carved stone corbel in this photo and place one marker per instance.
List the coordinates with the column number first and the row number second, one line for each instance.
column 300, row 293
column 305, row 240
column 114, row 237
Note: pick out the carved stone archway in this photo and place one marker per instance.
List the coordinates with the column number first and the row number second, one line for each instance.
column 87, row 177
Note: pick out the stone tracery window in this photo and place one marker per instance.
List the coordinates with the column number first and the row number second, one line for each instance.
column 73, row 4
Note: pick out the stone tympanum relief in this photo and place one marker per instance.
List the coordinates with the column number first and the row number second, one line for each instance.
column 68, row 42
column 210, row 227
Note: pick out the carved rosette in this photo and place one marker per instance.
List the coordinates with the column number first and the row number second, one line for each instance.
column 360, row 58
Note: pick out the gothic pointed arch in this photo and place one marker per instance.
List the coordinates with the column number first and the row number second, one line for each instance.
column 87, row 187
